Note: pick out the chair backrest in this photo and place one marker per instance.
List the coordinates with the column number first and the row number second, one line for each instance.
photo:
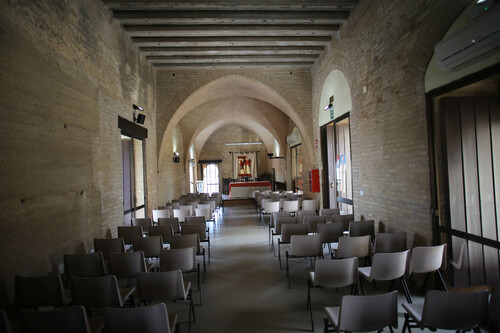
column 280, row 220
column 181, row 213
column 186, row 241
column 362, row 228
column 4, row 322
column 109, row 245
column 330, row 232
column 329, row 213
column 272, row 207
column 101, row 291
column 313, row 221
column 425, row 259
column 368, row 313
column 144, row 222
column 126, row 265
column 165, row 231
column 172, row 221
column 129, row 233
column 305, row 245
column 195, row 219
column 178, row 259
column 303, row 213
column 279, row 214
column 336, row 273
column 84, row 265
column 309, row 205
column 153, row 318
column 204, row 212
column 195, row 228
column 37, row 291
column 161, row 213
column 345, row 219
column 455, row 310
column 389, row 266
column 188, row 207
column 390, row 242
column 287, row 230
column 264, row 201
column 354, row 247
column 160, row 286
column 151, row 246
column 70, row 319
column 290, row 205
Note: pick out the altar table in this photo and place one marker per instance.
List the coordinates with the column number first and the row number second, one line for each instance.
column 245, row 189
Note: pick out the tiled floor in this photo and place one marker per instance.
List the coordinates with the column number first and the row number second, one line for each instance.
column 245, row 289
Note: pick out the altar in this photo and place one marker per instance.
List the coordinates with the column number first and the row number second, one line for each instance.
column 245, row 189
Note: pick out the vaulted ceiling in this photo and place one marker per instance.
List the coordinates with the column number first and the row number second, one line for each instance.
column 231, row 33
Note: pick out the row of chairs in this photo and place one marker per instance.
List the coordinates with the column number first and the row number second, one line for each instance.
column 459, row 311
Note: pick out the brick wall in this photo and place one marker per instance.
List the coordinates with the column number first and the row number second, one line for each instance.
column 385, row 47
column 63, row 84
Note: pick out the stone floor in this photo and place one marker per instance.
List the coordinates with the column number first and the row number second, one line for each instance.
column 245, row 289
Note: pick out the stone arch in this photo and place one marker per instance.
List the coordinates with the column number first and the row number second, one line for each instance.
column 229, row 86
column 335, row 84
column 254, row 122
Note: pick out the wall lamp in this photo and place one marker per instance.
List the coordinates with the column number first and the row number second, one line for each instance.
column 270, row 155
column 177, row 158
column 138, row 117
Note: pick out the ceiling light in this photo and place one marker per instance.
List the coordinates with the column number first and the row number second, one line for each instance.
column 243, row 143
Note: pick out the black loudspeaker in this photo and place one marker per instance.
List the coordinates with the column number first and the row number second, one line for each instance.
column 140, row 118
column 177, row 159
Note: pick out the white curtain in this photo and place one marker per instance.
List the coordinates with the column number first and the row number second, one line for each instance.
column 244, row 164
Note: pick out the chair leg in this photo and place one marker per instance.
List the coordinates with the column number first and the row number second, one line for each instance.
column 441, row 279
column 309, row 304
column 288, row 272
column 199, row 283
column 406, row 290
column 406, row 324
column 279, row 252
column 361, row 286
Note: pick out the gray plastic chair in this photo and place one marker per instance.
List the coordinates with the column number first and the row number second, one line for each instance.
column 426, row 260
column 160, row 214
column 199, row 229
column 287, row 231
column 145, row 223
column 165, row 287
column 358, row 247
column 362, row 228
column 188, row 241
column 129, row 233
column 386, row 267
column 303, row 246
column 332, row 274
column 309, row 204
column 270, row 207
column 390, row 242
column 312, row 222
column 71, row 319
column 303, row 213
column 99, row 292
column 330, row 234
column 39, row 291
column 126, row 265
column 148, row 319
column 84, row 265
column 345, row 219
column 458, row 311
column 329, row 213
column 364, row 313
column 279, row 221
column 165, row 231
column 109, row 245
column 183, row 260
column 171, row 221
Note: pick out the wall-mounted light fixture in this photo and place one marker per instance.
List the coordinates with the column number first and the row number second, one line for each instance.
column 243, row 143
column 177, row 158
column 270, row 155
column 138, row 117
